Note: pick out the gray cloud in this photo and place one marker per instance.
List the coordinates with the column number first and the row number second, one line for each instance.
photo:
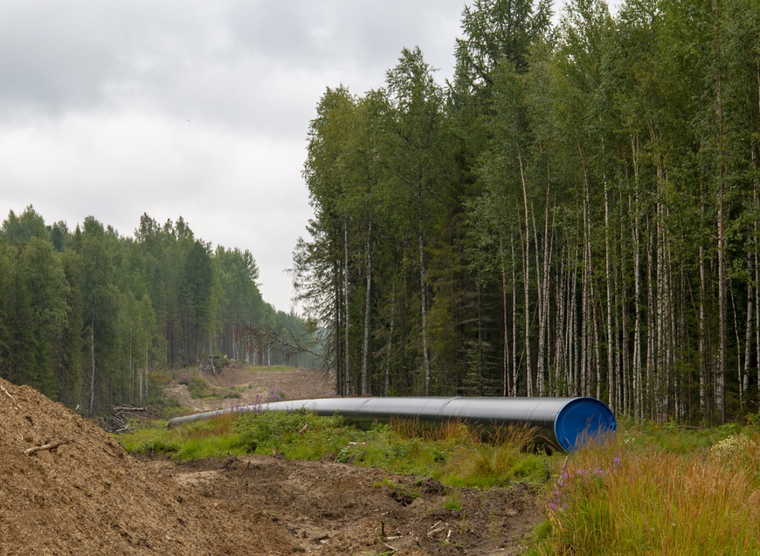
column 50, row 59
column 190, row 108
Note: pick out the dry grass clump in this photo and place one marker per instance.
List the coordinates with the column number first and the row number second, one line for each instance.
column 615, row 500
column 453, row 429
column 466, row 454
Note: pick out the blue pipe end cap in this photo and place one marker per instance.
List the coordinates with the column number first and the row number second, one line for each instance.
column 581, row 420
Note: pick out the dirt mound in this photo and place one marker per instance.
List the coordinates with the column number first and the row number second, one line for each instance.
column 89, row 497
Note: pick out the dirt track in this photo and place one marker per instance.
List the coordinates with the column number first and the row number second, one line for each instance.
column 90, row 497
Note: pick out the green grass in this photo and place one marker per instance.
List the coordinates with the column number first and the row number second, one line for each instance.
column 453, row 503
column 673, row 439
column 456, row 455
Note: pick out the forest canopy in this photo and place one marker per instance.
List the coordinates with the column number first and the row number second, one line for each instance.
column 574, row 213
column 87, row 315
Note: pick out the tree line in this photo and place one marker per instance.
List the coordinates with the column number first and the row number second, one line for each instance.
column 574, row 213
column 86, row 316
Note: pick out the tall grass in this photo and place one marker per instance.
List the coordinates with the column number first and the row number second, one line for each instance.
column 613, row 498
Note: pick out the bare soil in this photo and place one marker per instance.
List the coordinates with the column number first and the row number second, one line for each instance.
column 253, row 385
column 89, row 496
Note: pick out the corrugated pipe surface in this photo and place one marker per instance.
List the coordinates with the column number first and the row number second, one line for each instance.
column 564, row 422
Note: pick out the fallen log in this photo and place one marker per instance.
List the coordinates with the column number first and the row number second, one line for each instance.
column 52, row 446
column 123, row 408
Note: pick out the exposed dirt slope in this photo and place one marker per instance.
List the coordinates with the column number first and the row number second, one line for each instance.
column 89, row 497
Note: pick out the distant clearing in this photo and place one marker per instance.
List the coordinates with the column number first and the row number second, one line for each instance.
column 242, row 384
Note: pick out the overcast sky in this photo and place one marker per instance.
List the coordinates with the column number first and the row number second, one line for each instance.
column 190, row 108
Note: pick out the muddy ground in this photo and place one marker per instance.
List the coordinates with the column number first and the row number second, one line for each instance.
column 88, row 496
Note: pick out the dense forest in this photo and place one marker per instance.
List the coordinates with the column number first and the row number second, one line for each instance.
column 574, row 213
column 86, row 316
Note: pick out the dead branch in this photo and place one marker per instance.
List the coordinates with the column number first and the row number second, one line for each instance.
column 273, row 337
column 52, row 446
column 11, row 397
column 207, row 365
column 562, row 472
column 122, row 408
column 390, row 547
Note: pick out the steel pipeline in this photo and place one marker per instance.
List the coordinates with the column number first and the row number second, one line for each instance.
column 563, row 422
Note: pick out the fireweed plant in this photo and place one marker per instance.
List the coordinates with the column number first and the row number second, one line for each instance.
column 569, row 481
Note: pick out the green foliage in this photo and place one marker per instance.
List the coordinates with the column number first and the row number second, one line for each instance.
column 19, row 344
column 672, row 438
column 20, row 230
column 157, row 398
column 198, row 387
column 576, row 214
column 297, row 435
column 88, row 316
column 496, row 31
column 540, row 533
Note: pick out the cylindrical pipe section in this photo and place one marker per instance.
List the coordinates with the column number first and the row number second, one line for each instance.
column 563, row 422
